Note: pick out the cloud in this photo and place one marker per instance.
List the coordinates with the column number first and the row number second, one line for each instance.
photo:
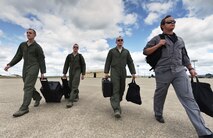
column 130, row 19
column 156, row 9
column 198, row 40
column 197, row 31
column 6, row 54
column 199, row 8
column 76, row 17
column 1, row 33
column 151, row 18
column 60, row 24
column 134, row 2
column 196, row 34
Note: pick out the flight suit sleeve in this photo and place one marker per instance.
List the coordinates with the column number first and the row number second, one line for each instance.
column 130, row 64
column 41, row 60
column 108, row 62
column 66, row 64
column 18, row 56
column 83, row 64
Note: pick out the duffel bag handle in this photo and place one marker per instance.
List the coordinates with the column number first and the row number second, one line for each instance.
column 133, row 80
column 44, row 79
column 106, row 78
column 196, row 79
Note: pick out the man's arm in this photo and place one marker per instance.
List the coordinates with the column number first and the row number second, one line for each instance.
column 108, row 64
column 192, row 71
column 130, row 64
column 66, row 65
column 83, row 65
column 41, row 60
column 18, row 56
column 150, row 50
column 186, row 62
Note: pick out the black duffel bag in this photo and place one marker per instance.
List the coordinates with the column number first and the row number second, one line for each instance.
column 51, row 90
column 133, row 93
column 65, row 88
column 107, row 87
column 203, row 95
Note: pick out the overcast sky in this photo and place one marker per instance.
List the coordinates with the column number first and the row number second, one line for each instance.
column 94, row 25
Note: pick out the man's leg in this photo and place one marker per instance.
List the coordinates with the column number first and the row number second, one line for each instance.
column 162, row 85
column 115, row 98
column 184, row 93
column 29, row 83
column 122, row 87
column 74, row 92
column 36, row 97
column 69, row 103
column 70, row 84
column 77, row 96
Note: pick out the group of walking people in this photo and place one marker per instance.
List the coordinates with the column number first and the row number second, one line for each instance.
column 170, row 69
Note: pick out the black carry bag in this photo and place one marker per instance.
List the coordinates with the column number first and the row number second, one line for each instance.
column 133, row 93
column 51, row 90
column 203, row 95
column 153, row 58
column 107, row 87
column 65, row 88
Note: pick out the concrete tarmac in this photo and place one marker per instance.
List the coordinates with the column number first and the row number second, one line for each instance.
column 92, row 116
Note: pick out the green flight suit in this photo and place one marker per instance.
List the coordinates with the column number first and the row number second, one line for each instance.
column 117, row 61
column 33, row 61
column 76, row 66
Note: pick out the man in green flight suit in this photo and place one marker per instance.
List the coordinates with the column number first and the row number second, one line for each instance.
column 77, row 66
column 34, row 60
column 116, row 60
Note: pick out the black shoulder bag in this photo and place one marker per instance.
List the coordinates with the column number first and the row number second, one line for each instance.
column 153, row 58
column 203, row 95
column 133, row 93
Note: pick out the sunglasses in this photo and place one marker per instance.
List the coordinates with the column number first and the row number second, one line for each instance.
column 75, row 47
column 120, row 40
column 29, row 32
column 171, row 22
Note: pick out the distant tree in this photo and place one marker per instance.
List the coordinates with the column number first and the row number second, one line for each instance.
column 208, row 75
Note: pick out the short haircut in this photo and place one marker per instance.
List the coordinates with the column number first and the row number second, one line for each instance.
column 75, row 45
column 119, row 37
column 32, row 30
column 163, row 21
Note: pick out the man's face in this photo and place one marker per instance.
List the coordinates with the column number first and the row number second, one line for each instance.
column 75, row 48
column 30, row 34
column 119, row 41
column 169, row 24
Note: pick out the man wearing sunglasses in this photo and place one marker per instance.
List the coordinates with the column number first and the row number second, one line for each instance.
column 77, row 66
column 116, row 62
column 171, row 69
column 34, row 60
